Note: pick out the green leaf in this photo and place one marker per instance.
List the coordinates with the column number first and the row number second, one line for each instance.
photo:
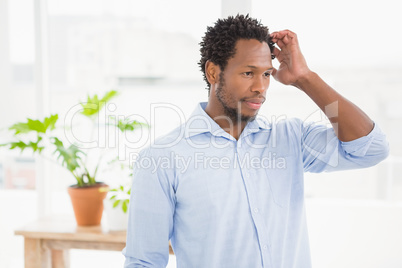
column 19, row 144
column 20, row 128
column 22, row 145
column 68, row 155
column 116, row 203
column 94, row 104
column 109, row 95
column 127, row 125
column 50, row 122
column 35, row 125
column 112, row 197
column 124, row 206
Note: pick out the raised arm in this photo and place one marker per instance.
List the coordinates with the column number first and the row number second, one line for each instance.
column 348, row 121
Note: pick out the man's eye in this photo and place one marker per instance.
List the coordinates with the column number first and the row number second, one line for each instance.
column 248, row 73
column 267, row 74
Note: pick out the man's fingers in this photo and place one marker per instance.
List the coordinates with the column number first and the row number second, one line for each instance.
column 283, row 38
column 280, row 43
column 278, row 35
column 283, row 33
column 277, row 54
column 286, row 39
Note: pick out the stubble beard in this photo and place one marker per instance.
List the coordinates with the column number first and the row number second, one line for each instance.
column 233, row 114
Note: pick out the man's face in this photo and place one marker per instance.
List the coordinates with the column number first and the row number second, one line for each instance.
column 245, row 80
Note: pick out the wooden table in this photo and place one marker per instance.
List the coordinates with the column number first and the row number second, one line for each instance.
column 47, row 241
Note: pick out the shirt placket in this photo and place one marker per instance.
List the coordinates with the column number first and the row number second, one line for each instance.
column 253, row 203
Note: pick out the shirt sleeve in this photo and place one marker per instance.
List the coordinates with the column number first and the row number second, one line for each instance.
column 323, row 151
column 151, row 211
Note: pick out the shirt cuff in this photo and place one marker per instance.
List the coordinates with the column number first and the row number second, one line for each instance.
column 360, row 146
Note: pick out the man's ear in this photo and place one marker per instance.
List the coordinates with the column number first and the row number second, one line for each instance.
column 212, row 72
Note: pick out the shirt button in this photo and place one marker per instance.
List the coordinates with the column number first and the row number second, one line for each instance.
column 248, row 175
column 256, row 210
column 265, row 247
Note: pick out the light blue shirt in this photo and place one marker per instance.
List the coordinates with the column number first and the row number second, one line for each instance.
column 233, row 203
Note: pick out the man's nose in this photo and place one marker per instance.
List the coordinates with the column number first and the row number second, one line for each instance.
column 260, row 84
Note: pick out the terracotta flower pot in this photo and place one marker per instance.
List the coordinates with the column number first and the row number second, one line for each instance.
column 87, row 203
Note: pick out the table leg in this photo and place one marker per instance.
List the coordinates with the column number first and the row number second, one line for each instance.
column 35, row 255
column 170, row 250
column 60, row 258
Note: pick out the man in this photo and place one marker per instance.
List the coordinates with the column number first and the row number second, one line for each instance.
column 226, row 188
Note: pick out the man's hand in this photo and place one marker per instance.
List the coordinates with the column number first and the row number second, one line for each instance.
column 293, row 66
column 349, row 122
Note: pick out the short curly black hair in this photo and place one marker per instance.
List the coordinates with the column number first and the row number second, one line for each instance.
column 219, row 41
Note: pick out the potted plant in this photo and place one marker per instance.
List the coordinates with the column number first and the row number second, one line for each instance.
column 42, row 138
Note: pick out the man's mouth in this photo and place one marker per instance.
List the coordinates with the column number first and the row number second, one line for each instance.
column 254, row 103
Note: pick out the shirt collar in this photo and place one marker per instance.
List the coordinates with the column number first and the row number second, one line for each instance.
column 200, row 122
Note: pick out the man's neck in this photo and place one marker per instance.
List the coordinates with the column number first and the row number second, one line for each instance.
column 233, row 127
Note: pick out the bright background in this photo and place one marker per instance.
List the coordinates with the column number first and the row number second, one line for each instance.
column 149, row 51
